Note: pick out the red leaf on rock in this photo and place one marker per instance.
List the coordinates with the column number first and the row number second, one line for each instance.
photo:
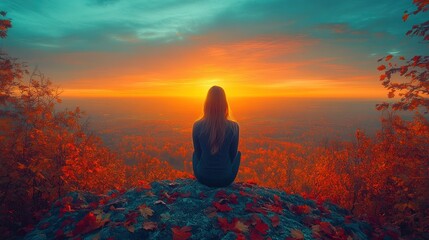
column 302, row 209
column 221, row 194
column 181, row 233
column 131, row 218
column 240, row 236
column 170, row 197
column 261, row 226
column 233, row 198
column 255, row 235
column 274, row 208
column 150, row 226
column 275, row 220
column 225, row 225
column 222, row 207
column 86, row 224
column 327, row 228
column 250, row 207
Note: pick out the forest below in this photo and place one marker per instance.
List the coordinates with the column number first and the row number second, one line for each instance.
column 46, row 153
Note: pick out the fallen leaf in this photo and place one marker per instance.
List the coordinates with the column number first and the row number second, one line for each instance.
column 240, row 226
column 274, row 208
column 210, row 212
column 130, row 228
column 145, row 211
column 316, row 231
column 225, row 225
column 255, row 235
column 131, row 218
column 87, row 224
column 261, row 226
column 150, row 226
column 181, row 233
column 296, row 234
column 233, row 198
column 275, row 220
column 327, row 228
column 277, row 199
column 240, row 236
column 222, row 207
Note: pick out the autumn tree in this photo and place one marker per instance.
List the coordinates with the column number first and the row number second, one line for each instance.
column 408, row 78
column 45, row 153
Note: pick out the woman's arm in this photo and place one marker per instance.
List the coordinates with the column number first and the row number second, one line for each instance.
column 197, row 147
column 234, row 144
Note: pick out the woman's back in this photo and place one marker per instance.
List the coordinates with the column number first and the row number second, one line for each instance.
column 222, row 159
column 216, row 159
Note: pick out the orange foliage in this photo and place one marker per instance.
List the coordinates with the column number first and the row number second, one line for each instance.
column 361, row 176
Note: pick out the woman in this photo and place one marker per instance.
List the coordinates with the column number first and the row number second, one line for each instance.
column 215, row 137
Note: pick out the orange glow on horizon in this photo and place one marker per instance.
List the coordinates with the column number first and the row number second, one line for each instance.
column 292, row 89
column 257, row 67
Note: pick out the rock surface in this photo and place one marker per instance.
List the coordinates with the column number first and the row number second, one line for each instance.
column 186, row 209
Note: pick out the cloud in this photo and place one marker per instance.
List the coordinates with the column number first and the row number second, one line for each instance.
column 143, row 46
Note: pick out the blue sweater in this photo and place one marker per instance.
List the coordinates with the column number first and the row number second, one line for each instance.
column 220, row 169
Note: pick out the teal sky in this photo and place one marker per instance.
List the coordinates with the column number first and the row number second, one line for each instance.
column 95, row 44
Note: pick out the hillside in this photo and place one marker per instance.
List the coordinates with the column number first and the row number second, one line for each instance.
column 185, row 209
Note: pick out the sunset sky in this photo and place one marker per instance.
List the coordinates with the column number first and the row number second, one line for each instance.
column 292, row 48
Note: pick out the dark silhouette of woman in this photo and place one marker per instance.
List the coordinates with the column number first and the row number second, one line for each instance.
column 215, row 137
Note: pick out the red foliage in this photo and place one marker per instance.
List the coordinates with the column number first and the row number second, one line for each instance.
column 412, row 83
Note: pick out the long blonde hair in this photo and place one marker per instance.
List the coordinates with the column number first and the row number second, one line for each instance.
column 216, row 113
